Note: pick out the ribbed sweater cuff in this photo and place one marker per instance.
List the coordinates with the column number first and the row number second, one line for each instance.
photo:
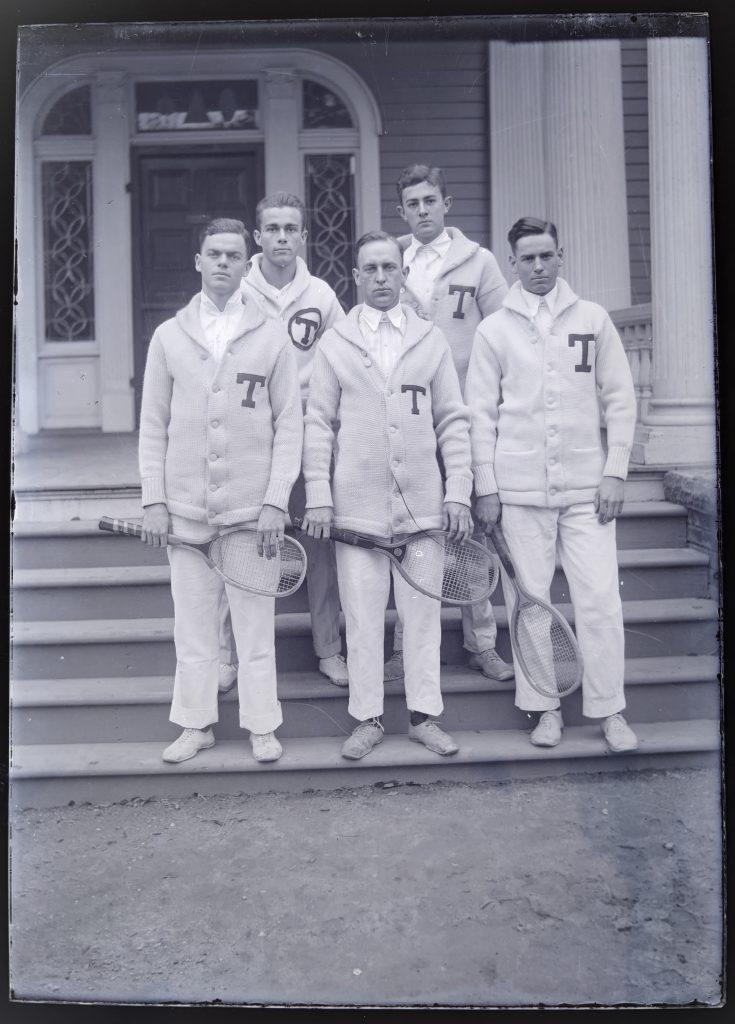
column 277, row 494
column 458, row 488
column 318, row 494
column 485, row 482
column 617, row 462
column 153, row 491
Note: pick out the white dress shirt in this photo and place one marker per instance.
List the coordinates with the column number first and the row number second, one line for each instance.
column 383, row 333
column 542, row 318
column 281, row 296
column 218, row 326
column 424, row 263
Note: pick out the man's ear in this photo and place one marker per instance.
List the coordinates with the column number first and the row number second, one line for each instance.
column 404, row 273
column 256, row 237
column 512, row 259
column 560, row 254
column 447, row 203
column 401, row 212
column 198, row 262
column 356, row 275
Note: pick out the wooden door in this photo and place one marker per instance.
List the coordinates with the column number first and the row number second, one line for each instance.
column 175, row 192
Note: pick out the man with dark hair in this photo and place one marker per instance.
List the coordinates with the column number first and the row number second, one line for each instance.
column 454, row 283
column 279, row 280
column 537, row 367
column 220, row 444
column 385, row 391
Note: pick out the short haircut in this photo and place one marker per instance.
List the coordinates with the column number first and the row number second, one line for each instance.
column 276, row 200
column 416, row 173
column 225, row 226
column 531, row 226
column 376, row 236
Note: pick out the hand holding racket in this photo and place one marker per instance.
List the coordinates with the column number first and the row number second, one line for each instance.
column 542, row 639
column 456, row 572
column 237, row 557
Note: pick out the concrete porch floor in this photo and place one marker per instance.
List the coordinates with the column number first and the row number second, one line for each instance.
column 77, row 461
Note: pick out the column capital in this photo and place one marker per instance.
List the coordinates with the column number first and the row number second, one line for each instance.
column 111, row 86
column 280, row 83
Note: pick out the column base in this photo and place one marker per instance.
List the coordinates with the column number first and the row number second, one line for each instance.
column 669, row 445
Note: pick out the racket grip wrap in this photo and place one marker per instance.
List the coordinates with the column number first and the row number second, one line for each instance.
column 501, row 546
column 347, row 537
column 120, row 526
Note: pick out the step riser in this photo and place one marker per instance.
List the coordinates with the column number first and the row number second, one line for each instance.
column 329, row 717
column 101, row 550
column 154, row 600
column 74, row 660
column 39, row 793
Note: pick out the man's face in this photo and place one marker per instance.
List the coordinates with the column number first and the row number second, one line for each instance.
column 424, row 210
column 380, row 274
column 280, row 235
column 537, row 261
column 221, row 262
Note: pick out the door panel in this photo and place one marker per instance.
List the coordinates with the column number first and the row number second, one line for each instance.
column 175, row 192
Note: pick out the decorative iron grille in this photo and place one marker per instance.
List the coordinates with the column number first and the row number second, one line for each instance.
column 322, row 108
column 330, row 202
column 67, row 234
column 70, row 115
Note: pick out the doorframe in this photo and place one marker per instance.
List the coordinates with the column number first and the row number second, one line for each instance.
column 137, row 154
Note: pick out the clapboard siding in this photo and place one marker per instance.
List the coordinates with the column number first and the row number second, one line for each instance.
column 433, row 101
column 635, row 125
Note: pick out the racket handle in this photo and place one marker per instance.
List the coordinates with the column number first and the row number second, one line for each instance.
column 501, row 546
column 343, row 536
column 120, row 526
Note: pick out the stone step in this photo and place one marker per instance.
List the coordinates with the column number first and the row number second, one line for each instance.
column 643, row 524
column 48, row 775
column 106, row 592
column 144, row 647
column 136, row 710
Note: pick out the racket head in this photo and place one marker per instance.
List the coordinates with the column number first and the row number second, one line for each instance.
column 235, row 557
column 546, row 648
column 455, row 572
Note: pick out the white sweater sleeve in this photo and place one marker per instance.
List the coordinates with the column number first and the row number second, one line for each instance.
column 285, row 399
column 321, row 416
column 155, row 414
column 452, row 429
column 482, row 394
column 617, row 394
column 493, row 286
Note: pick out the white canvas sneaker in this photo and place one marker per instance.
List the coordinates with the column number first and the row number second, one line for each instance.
column 335, row 669
column 227, row 676
column 619, row 736
column 265, row 746
column 548, row 731
column 189, row 743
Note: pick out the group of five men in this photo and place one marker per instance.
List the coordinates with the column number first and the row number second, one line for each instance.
column 261, row 397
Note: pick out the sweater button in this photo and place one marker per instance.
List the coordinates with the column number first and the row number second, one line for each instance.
column 213, row 457
column 215, row 423
column 213, row 487
column 215, row 388
column 203, row 356
column 393, row 430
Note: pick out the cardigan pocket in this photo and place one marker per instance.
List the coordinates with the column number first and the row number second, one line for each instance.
column 584, row 467
column 520, row 470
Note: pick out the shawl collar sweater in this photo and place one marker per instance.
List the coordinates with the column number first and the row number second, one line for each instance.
column 311, row 308
column 386, row 431
column 534, row 402
column 468, row 287
column 219, row 439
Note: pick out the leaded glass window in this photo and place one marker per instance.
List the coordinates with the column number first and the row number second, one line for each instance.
column 71, row 114
column 182, row 106
column 330, row 202
column 323, row 108
column 67, row 234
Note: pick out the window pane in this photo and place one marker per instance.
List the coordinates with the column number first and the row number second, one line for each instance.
column 183, row 106
column 70, row 115
column 323, row 109
column 330, row 202
column 67, row 235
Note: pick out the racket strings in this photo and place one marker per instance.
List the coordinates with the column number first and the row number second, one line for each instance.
column 455, row 570
column 547, row 650
column 236, row 556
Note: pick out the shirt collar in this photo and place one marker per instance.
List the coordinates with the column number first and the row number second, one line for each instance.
column 533, row 301
column 372, row 316
column 234, row 301
column 440, row 245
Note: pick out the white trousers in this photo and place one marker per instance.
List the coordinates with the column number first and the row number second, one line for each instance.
column 197, row 592
column 364, row 585
column 588, row 556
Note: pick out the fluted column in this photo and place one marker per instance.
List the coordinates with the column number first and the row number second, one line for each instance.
column 112, row 252
column 585, row 166
column 517, row 181
column 281, row 109
column 678, row 425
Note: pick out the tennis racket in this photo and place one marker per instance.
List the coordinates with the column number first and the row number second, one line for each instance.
column 234, row 556
column 542, row 638
column 456, row 572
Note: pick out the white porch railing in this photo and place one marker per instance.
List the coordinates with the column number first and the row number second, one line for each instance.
column 635, row 329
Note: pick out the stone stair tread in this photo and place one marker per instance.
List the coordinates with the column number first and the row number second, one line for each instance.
column 97, row 631
column 229, row 756
column 155, row 690
column 142, row 575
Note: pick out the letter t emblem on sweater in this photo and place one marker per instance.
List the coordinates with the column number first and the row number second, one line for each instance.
column 416, row 389
column 584, row 366
column 252, row 379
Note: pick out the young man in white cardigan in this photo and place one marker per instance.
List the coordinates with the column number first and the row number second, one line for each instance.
column 279, row 280
column 537, row 367
column 384, row 390
column 220, row 445
column 455, row 283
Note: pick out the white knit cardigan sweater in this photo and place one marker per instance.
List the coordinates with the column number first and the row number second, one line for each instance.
column 218, row 441
column 386, row 433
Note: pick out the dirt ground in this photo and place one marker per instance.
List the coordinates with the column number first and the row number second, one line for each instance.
column 585, row 889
